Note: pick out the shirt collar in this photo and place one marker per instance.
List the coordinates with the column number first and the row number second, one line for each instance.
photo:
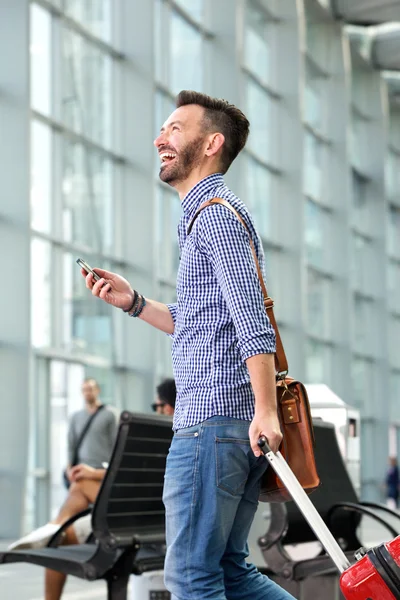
column 198, row 193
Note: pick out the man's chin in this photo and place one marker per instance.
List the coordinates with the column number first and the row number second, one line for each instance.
column 167, row 177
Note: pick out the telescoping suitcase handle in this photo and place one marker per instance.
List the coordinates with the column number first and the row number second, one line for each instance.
column 310, row 513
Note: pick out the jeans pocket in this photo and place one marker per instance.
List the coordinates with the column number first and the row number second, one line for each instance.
column 232, row 464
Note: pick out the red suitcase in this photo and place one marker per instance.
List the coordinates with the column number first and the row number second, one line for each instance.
column 376, row 573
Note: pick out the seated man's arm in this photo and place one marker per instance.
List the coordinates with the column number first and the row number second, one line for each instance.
column 83, row 471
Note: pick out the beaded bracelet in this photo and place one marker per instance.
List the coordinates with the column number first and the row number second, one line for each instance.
column 139, row 308
column 134, row 302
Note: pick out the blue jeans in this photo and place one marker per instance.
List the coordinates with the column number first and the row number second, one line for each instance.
column 211, row 490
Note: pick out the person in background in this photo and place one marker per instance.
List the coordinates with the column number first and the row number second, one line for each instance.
column 392, row 484
column 165, row 399
column 90, row 458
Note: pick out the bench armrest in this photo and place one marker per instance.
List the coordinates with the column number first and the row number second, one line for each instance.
column 358, row 508
column 278, row 527
column 57, row 537
column 382, row 507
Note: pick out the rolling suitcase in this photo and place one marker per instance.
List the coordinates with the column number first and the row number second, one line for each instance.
column 376, row 573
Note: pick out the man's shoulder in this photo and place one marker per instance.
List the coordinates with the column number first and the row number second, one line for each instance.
column 112, row 412
column 217, row 212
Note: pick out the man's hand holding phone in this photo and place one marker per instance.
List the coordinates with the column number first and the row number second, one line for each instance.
column 110, row 287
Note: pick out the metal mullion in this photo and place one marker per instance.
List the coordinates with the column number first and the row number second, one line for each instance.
column 321, row 272
column 328, row 343
column 274, row 95
column 187, row 16
column 322, row 139
column 74, row 137
column 160, row 87
column 81, row 30
column 273, row 170
column 74, row 248
column 323, row 73
column 77, row 358
column 326, row 208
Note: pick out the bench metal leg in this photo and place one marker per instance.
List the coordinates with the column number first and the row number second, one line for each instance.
column 117, row 589
column 117, row 581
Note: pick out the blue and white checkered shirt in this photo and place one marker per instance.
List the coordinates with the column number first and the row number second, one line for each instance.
column 219, row 316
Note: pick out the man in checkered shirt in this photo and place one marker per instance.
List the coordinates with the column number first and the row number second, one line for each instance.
column 223, row 356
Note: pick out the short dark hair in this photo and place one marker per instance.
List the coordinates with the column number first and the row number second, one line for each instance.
column 223, row 117
column 166, row 391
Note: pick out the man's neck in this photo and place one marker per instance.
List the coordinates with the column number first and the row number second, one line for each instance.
column 91, row 407
column 183, row 187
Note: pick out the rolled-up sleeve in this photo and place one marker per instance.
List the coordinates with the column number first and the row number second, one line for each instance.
column 173, row 309
column 221, row 236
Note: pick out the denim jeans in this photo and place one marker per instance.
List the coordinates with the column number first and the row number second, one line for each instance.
column 211, row 490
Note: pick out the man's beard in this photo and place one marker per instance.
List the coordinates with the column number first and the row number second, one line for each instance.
column 183, row 164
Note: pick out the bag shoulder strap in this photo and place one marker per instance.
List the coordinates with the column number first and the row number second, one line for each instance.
column 280, row 356
column 83, row 434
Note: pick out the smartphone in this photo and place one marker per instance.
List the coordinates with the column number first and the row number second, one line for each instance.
column 88, row 269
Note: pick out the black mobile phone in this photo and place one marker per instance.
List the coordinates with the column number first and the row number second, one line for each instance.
column 88, row 269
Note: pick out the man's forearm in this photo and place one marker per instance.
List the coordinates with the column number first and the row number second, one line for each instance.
column 158, row 315
column 261, row 368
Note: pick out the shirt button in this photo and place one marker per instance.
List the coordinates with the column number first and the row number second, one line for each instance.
column 196, row 434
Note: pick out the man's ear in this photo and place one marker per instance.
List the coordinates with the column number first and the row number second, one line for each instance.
column 214, row 143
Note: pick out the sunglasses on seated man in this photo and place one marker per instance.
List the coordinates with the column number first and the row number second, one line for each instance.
column 156, row 405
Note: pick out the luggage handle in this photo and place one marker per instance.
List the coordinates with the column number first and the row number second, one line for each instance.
column 310, row 513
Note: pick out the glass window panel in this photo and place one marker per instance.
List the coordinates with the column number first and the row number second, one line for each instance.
column 393, row 278
column 167, row 295
column 259, row 197
column 358, row 137
column 87, row 88
column 258, row 109
column 361, row 205
column 164, row 106
column 159, row 37
column 363, row 263
column 364, row 314
column 393, row 224
column 316, row 234
column 362, row 372
column 94, row 15
column 318, row 310
column 65, row 399
column 256, row 48
column 395, row 395
column 168, row 214
column 313, row 100
column 40, row 293
column 394, row 337
column 41, row 176
column 40, row 59
column 195, row 8
column 312, row 165
column 88, row 215
column 186, row 56
column 392, row 175
column 87, row 323
column 317, row 362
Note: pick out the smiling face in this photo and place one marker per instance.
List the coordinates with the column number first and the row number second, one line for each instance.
column 182, row 144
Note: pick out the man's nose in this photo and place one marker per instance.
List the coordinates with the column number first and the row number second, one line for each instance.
column 160, row 140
